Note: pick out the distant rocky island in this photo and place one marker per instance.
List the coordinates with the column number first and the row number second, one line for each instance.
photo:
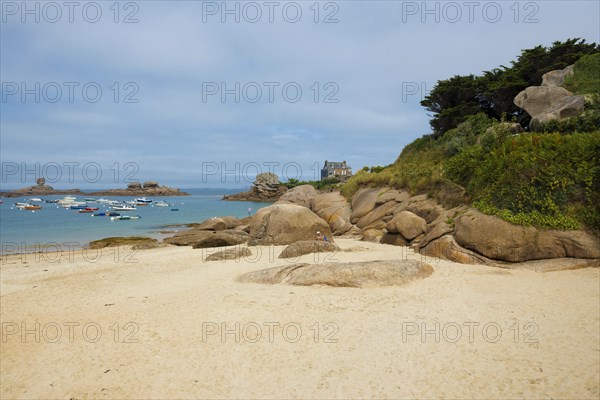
column 148, row 188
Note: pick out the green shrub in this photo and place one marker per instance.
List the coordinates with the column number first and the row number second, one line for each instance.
column 586, row 75
column 549, row 180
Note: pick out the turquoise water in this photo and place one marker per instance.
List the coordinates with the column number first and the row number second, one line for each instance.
column 65, row 227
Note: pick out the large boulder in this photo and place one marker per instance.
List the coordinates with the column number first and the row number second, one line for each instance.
column 221, row 239
column 547, row 103
column 566, row 107
column 136, row 242
column 333, row 208
column 395, row 239
column 233, row 253
column 408, row 224
column 539, row 99
column 426, row 208
column 501, row 240
column 286, row 224
column 435, row 230
column 557, row 77
column 377, row 214
column 233, row 222
column 308, row 247
column 372, row 235
column 357, row 274
column 301, row 195
column 213, row 224
column 363, row 201
column 446, row 248
column 188, row 237
column 392, row 195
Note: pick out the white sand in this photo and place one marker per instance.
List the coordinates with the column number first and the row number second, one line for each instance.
column 173, row 300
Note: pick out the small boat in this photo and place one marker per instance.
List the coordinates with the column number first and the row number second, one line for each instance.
column 161, row 203
column 125, row 217
column 32, row 207
column 88, row 210
column 174, row 209
column 103, row 201
column 78, row 206
column 89, row 200
column 51, row 201
column 66, row 200
column 142, row 201
column 106, row 214
column 21, row 205
column 124, row 208
column 35, row 200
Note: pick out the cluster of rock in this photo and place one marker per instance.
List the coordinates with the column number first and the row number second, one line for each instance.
column 461, row 234
column 279, row 224
column 431, row 227
column 266, row 188
column 450, row 231
column 550, row 101
column 40, row 189
column 148, row 188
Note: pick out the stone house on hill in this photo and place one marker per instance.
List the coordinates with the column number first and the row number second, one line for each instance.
column 334, row 169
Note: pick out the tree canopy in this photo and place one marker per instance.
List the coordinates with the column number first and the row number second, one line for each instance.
column 452, row 100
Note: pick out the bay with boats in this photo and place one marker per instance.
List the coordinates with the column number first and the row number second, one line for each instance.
column 32, row 224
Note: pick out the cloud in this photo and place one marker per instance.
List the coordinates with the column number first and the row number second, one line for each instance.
column 353, row 77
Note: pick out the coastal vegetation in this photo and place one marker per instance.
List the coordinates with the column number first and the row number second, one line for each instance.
column 324, row 184
column 547, row 177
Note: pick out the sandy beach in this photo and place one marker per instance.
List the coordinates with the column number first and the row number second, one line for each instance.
column 162, row 323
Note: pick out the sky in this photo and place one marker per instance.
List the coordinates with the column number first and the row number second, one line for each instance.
column 207, row 94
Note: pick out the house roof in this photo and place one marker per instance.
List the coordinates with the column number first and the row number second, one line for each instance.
column 336, row 164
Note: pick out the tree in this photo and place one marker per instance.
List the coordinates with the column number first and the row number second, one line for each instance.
column 452, row 100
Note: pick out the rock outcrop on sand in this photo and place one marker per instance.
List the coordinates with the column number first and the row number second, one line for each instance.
column 266, row 188
column 550, row 101
column 214, row 232
column 221, row 239
column 308, row 247
column 138, row 243
column 286, row 224
column 501, row 240
column 357, row 274
column 233, row 253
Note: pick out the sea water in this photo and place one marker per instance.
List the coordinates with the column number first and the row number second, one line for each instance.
column 62, row 227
